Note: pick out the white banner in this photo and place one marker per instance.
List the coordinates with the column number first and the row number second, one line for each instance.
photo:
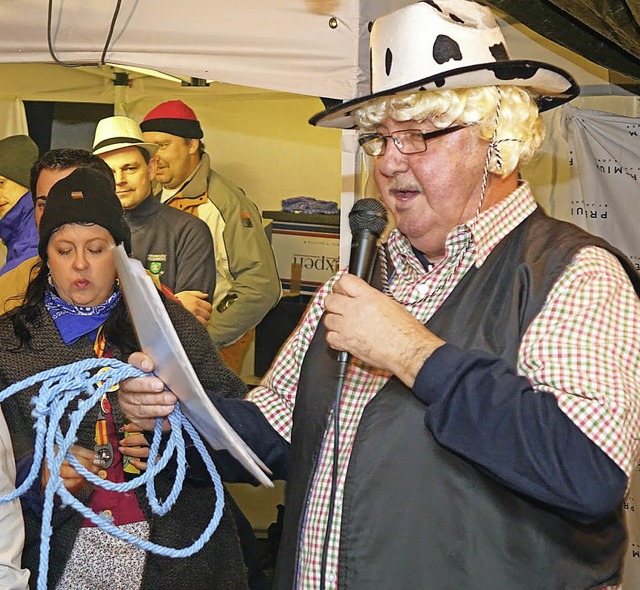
column 604, row 152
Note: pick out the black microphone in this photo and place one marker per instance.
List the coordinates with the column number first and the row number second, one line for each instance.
column 367, row 220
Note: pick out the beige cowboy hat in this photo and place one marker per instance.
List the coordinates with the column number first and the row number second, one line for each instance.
column 115, row 133
column 441, row 44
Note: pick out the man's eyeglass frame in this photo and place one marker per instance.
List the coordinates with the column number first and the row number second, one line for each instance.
column 366, row 138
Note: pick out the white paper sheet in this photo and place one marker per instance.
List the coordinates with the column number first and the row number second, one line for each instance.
column 158, row 339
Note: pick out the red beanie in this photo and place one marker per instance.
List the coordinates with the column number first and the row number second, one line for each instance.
column 173, row 117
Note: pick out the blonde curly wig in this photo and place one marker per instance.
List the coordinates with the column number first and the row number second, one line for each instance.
column 505, row 116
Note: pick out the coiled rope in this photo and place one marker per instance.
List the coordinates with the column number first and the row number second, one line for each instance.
column 60, row 386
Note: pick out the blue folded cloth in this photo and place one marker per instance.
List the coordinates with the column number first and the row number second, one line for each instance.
column 309, row 205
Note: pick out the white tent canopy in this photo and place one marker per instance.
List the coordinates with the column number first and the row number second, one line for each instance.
column 312, row 47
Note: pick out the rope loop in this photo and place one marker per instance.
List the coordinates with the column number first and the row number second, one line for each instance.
column 81, row 381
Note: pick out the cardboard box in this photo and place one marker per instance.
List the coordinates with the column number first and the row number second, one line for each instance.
column 307, row 248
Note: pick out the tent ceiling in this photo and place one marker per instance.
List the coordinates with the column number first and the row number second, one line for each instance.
column 309, row 47
column 606, row 32
column 313, row 47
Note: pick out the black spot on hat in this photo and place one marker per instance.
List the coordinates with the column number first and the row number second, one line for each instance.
column 432, row 3
column 388, row 60
column 446, row 49
column 439, row 82
column 455, row 18
column 516, row 72
column 499, row 52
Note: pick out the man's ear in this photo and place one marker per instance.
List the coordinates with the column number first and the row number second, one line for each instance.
column 193, row 146
column 153, row 167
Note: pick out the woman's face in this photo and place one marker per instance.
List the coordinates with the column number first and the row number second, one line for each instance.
column 81, row 263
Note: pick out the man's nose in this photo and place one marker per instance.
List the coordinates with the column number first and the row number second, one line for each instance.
column 392, row 161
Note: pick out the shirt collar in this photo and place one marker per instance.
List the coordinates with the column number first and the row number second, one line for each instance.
column 494, row 224
column 168, row 193
column 484, row 233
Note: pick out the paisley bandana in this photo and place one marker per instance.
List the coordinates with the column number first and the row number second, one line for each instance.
column 74, row 321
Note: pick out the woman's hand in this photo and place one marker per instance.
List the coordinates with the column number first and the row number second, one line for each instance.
column 134, row 446
column 71, row 479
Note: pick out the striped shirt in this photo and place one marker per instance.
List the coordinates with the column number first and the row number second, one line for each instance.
column 583, row 347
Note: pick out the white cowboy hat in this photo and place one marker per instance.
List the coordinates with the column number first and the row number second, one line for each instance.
column 440, row 44
column 115, row 133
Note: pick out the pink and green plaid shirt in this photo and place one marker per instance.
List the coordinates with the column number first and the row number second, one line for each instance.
column 584, row 347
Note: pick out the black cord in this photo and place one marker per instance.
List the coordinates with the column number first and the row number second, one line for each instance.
column 114, row 19
column 343, row 363
column 52, row 51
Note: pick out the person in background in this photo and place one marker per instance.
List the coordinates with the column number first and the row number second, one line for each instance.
column 12, row 575
column 17, row 227
column 45, row 172
column 247, row 283
column 74, row 310
column 176, row 248
column 488, row 421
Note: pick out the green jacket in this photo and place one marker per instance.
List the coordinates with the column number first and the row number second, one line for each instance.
column 246, row 273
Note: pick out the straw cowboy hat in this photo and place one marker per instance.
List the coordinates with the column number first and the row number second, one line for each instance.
column 443, row 44
column 115, row 133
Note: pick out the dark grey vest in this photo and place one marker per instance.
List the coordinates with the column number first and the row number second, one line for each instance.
column 417, row 516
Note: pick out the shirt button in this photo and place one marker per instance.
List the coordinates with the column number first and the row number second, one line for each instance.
column 107, row 513
column 423, row 290
column 102, row 474
column 332, row 577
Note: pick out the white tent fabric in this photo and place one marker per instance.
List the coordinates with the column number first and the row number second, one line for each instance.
column 312, row 47
column 604, row 152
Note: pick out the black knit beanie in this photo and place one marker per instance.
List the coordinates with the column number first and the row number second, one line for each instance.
column 85, row 196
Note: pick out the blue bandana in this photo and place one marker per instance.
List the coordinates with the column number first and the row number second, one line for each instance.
column 74, row 321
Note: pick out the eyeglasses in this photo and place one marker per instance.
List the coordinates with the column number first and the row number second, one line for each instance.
column 408, row 141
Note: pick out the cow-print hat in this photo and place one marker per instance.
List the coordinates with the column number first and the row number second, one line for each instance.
column 442, row 44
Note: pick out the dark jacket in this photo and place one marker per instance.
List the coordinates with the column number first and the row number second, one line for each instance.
column 173, row 245
column 219, row 565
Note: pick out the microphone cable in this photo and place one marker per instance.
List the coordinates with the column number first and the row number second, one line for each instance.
column 367, row 221
column 343, row 363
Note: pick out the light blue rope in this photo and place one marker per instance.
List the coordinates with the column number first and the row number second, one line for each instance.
column 60, row 386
